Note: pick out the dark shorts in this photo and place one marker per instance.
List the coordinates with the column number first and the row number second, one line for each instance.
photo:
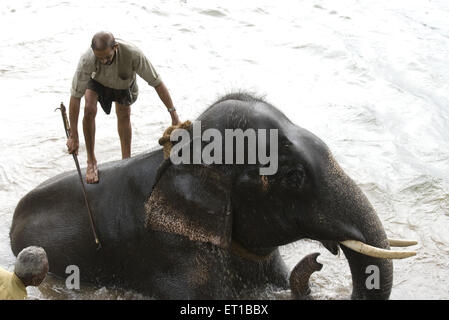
column 106, row 95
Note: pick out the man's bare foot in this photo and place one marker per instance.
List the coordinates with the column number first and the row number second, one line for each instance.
column 92, row 173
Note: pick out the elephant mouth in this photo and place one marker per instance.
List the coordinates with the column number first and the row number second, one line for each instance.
column 331, row 246
column 368, row 262
column 365, row 249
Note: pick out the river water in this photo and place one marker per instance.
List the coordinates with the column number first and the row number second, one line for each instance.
column 369, row 78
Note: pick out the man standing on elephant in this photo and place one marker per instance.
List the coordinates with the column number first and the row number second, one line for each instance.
column 107, row 73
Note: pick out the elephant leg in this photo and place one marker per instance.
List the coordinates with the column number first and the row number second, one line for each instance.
column 299, row 278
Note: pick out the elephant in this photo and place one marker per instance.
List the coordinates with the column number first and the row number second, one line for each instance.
column 207, row 231
column 300, row 275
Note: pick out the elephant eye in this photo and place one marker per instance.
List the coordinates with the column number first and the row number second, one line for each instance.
column 295, row 178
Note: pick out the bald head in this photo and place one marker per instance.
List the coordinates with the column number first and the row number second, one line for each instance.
column 102, row 40
column 31, row 266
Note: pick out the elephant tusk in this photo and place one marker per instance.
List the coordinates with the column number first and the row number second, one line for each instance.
column 376, row 252
column 401, row 243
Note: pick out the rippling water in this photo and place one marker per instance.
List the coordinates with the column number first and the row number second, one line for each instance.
column 371, row 79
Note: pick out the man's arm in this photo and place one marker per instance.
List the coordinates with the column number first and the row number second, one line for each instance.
column 164, row 95
column 74, row 110
column 146, row 71
column 85, row 67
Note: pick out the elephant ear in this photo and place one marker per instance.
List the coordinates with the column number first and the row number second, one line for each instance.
column 192, row 201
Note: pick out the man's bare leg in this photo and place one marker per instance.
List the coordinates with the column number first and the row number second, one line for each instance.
column 90, row 111
column 124, row 128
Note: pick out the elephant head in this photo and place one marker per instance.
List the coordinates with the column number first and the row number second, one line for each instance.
column 309, row 196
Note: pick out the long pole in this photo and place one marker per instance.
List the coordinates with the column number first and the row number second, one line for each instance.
column 75, row 157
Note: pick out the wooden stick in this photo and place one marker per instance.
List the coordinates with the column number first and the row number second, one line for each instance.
column 75, row 158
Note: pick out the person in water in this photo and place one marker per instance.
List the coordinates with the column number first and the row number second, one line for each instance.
column 107, row 73
column 30, row 269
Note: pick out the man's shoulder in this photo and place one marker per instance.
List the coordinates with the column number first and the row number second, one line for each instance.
column 130, row 48
column 5, row 277
column 87, row 59
column 10, row 289
column 126, row 44
column 4, row 273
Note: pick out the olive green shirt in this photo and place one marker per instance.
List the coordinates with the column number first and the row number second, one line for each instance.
column 120, row 74
column 11, row 287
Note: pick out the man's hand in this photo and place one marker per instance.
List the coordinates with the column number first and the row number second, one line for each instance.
column 164, row 95
column 74, row 110
column 174, row 118
column 73, row 144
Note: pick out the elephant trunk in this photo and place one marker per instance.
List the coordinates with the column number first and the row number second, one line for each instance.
column 372, row 278
column 300, row 275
